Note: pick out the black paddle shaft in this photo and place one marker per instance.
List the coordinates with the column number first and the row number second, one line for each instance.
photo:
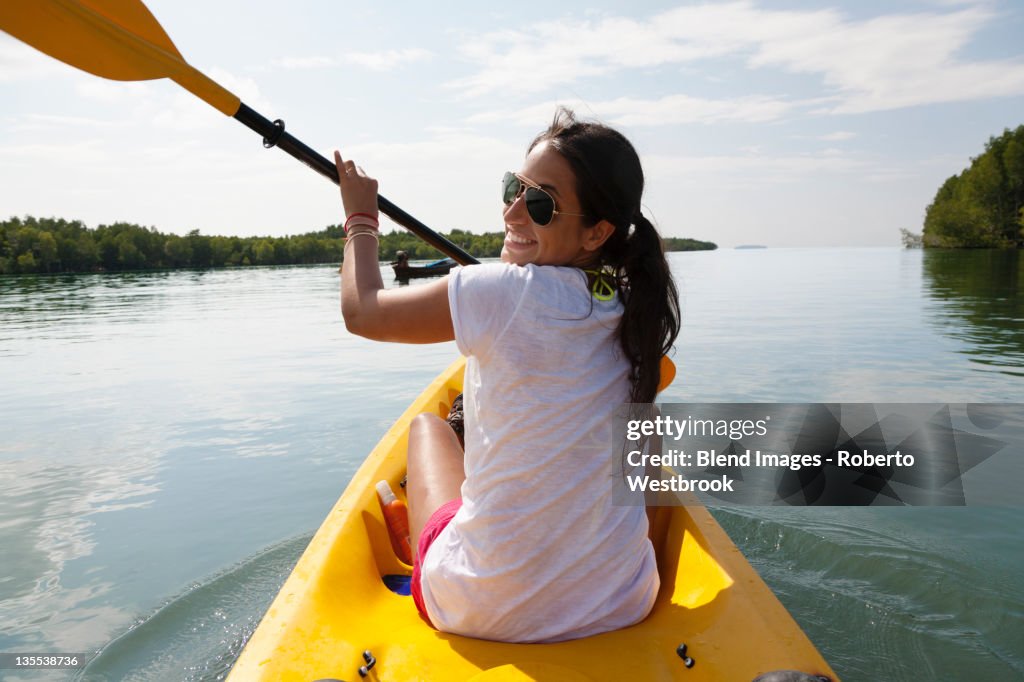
column 274, row 135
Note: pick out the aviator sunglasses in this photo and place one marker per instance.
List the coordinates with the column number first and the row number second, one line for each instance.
column 539, row 204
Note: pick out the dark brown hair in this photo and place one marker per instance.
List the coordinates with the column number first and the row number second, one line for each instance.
column 609, row 185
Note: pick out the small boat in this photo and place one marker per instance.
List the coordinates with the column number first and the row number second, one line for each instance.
column 336, row 618
column 404, row 272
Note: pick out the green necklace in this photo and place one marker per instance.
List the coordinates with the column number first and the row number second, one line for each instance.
column 602, row 289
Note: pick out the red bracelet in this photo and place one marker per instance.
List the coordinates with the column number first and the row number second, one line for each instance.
column 372, row 216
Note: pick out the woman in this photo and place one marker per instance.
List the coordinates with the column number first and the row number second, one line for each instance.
column 517, row 539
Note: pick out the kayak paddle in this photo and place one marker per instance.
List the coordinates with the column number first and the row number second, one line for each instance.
column 121, row 40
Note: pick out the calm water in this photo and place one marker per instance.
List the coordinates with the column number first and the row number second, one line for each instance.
column 171, row 441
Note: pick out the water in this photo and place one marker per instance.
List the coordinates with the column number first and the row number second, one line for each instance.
column 172, row 440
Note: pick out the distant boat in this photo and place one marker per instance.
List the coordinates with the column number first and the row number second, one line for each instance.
column 404, row 272
column 751, row 246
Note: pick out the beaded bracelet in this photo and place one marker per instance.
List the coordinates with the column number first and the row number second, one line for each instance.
column 372, row 233
column 359, row 222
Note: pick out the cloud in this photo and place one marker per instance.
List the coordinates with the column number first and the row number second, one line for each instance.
column 179, row 110
column 750, row 169
column 50, row 122
column 838, row 136
column 887, row 62
column 897, row 61
column 21, row 63
column 669, row 110
column 387, row 59
column 297, row 63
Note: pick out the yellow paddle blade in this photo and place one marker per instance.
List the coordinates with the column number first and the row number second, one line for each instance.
column 80, row 33
column 668, row 373
column 116, row 39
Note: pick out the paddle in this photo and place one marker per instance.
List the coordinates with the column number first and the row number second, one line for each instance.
column 121, row 40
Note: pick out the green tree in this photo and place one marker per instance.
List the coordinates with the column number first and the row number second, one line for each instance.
column 910, row 240
column 178, row 252
column 263, row 252
column 202, row 250
column 86, row 254
column 31, row 244
column 1013, row 162
column 220, row 251
column 27, row 262
column 129, row 255
column 46, row 247
column 981, row 206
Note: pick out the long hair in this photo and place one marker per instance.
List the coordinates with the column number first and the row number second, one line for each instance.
column 610, row 185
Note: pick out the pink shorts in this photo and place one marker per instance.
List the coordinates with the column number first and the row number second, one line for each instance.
column 435, row 524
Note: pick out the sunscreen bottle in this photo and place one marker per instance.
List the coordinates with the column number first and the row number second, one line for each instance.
column 396, row 518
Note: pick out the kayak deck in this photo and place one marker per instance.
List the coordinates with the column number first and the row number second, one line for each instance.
column 334, row 606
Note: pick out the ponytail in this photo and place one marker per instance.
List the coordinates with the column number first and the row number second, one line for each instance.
column 650, row 320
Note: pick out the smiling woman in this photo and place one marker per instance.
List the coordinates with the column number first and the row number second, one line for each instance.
column 582, row 276
column 529, row 235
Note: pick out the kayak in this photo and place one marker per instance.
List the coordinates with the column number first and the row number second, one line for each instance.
column 336, row 618
column 404, row 271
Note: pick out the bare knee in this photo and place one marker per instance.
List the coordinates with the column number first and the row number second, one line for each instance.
column 426, row 423
column 431, row 433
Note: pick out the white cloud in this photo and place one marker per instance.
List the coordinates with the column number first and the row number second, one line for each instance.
column 21, row 63
column 677, row 109
column 387, row 59
column 104, row 91
column 891, row 61
column 46, row 122
column 838, row 136
column 303, row 62
column 177, row 109
column 897, row 61
column 81, row 153
column 750, row 168
column 669, row 110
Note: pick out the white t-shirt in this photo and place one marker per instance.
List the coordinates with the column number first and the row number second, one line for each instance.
column 538, row 552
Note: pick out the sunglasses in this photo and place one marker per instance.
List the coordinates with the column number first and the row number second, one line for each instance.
column 539, row 204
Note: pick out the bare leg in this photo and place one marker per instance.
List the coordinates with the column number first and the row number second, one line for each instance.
column 435, row 470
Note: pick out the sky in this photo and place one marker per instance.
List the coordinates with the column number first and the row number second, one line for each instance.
column 785, row 124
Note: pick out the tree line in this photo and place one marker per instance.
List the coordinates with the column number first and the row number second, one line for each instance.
column 55, row 245
column 983, row 206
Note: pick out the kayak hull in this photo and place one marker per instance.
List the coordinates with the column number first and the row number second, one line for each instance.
column 334, row 608
column 407, row 272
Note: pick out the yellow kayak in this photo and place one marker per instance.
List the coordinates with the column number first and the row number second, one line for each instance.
column 335, row 618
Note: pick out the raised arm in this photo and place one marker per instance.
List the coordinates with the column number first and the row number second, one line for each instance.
column 417, row 314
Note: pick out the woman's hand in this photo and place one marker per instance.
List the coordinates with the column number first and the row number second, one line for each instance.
column 358, row 190
column 417, row 314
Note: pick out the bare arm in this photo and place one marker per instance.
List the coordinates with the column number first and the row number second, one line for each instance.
column 418, row 314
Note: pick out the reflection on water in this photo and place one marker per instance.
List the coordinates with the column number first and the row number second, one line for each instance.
column 48, row 512
column 978, row 298
column 157, row 427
